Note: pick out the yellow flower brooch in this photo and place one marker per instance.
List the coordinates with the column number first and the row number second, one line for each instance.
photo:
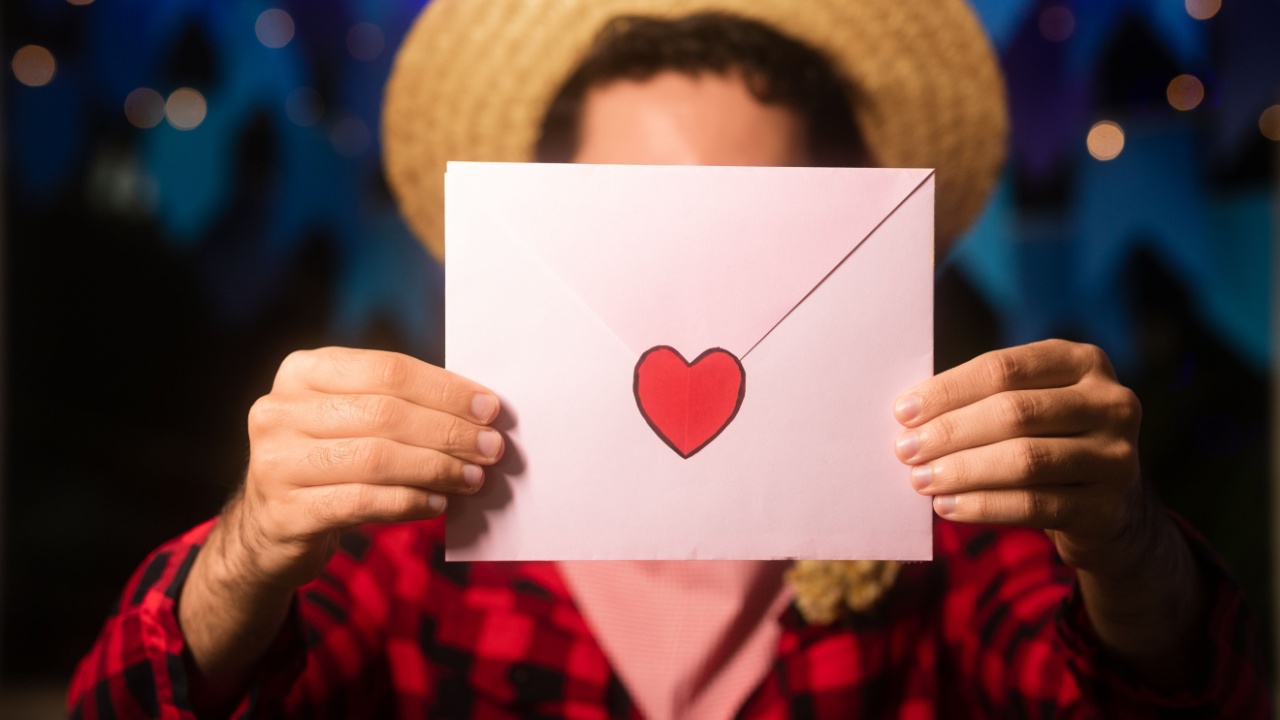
column 827, row 589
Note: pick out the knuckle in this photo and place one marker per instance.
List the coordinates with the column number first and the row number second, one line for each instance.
column 265, row 412
column 457, row 436
column 1032, row 506
column 400, row 505
column 365, row 455
column 938, row 397
column 339, row 407
column 1058, row 346
column 324, row 457
column 1122, row 452
column 368, row 455
column 438, row 466
column 1055, row 344
column 1095, row 358
column 977, row 505
column 1029, row 457
column 379, row 412
column 1019, row 410
column 1127, row 408
column 391, row 370
column 365, row 503
column 1003, row 369
column 942, row 434
column 952, row 472
column 449, row 394
column 295, row 363
column 1043, row 509
column 330, row 508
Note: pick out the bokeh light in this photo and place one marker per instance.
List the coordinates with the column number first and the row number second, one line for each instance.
column 1185, row 92
column 365, row 41
column 274, row 28
column 144, row 108
column 80, row 2
column 34, row 66
column 1105, row 141
column 1057, row 23
column 185, row 109
column 1203, row 9
column 304, row 107
column 1269, row 123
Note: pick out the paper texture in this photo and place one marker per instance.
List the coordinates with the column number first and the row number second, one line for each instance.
column 581, row 293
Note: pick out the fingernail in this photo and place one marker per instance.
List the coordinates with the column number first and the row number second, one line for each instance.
column 907, row 408
column 921, row 476
column 437, row 503
column 944, row 504
column 489, row 443
column 484, row 407
column 908, row 444
column 472, row 475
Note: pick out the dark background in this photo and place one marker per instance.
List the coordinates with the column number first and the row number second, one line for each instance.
column 154, row 278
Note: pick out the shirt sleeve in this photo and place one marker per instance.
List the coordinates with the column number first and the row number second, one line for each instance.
column 1022, row 646
column 327, row 644
column 1231, row 680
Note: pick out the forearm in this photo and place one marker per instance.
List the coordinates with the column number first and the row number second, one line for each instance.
column 1148, row 607
column 229, row 615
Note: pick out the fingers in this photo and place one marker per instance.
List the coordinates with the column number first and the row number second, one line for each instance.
column 320, row 416
column 345, row 371
column 1040, row 435
column 1026, row 462
column 339, row 506
column 1082, row 509
column 1018, row 413
column 353, row 436
column 1048, row 364
column 368, row 460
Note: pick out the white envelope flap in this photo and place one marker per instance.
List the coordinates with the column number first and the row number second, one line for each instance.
column 719, row 266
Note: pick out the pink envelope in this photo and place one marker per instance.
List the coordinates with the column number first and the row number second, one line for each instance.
column 581, row 293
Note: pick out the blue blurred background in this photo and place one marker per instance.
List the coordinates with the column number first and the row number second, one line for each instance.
column 192, row 189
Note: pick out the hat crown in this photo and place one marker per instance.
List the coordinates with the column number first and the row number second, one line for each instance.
column 473, row 80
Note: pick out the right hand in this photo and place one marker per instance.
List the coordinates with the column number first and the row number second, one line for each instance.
column 344, row 437
column 354, row 436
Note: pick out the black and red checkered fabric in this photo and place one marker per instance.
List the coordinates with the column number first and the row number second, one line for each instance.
column 991, row 629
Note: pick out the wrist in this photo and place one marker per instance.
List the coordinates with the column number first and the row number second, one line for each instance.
column 229, row 615
column 1142, row 536
column 239, row 559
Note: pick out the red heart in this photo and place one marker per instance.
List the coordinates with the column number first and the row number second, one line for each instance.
column 688, row 403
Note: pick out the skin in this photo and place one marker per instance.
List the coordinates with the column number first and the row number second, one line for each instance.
column 1040, row 435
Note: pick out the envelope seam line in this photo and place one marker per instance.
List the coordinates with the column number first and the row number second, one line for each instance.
column 837, row 266
column 515, row 238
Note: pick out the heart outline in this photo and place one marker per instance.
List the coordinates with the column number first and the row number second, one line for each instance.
column 737, row 405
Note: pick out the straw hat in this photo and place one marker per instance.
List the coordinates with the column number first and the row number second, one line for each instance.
column 474, row 78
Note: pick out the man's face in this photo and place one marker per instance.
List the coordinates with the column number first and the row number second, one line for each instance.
column 676, row 119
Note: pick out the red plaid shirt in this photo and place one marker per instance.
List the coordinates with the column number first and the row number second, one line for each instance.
column 992, row 628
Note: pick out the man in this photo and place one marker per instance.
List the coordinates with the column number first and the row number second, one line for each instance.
column 276, row 609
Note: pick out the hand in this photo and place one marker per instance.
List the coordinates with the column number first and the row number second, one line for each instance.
column 354, row 436
column 1040, row 435
column 344, row 437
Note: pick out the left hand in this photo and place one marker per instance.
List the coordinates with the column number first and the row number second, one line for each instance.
column 1040, row 435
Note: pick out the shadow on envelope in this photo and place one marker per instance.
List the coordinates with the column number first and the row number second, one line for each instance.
column 466, row 520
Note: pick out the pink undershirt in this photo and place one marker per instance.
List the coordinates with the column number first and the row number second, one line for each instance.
column 688, row 639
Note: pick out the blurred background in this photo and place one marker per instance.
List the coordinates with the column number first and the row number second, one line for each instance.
column 192, row 189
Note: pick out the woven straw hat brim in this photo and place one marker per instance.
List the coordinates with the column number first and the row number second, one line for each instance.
column 474, row 78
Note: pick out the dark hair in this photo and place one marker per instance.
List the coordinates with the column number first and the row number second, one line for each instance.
column 777, row 70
